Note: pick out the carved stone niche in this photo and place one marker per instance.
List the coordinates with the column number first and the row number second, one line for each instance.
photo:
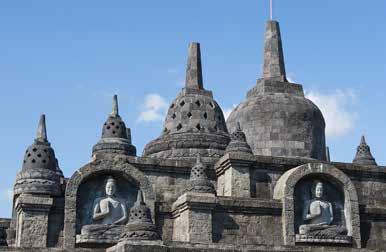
column 98, row 199
column 104, row 202
column 320, row 205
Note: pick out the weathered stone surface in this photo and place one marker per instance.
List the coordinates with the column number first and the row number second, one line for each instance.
column 255, row 202
column 194, row 123
column 363, row 155
column 276, row 117
column 238, row 142
column 285, row 191
column 274, row 67
column 116, row 138
column 40, row 173
column 116, row 166
column 199, row 181
column 4, row 225
column 192, row 214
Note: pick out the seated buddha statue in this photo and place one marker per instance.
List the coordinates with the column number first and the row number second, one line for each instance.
column 318, row 214
column 108, row 212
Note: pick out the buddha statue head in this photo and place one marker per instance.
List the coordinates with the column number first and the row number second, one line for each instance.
column 317, row 190
column 110, row 186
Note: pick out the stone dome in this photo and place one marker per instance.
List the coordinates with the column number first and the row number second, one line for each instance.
column 116, row 138
column 40, row 173
column 194, row 123
column 276, row 117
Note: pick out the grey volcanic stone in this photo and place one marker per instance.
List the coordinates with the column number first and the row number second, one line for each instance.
column 4, row 225
column 194, row 123
column 199, row 181
column 276, row 117
column 40, row 173
column 116, row 137
column 274, row 67
column 238, row 142
column 140, row 225
column 363, row 155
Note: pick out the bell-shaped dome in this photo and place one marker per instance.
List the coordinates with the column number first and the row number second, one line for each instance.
column 194, row 123
column 363, row 155
column 238, row 142
column 276, row 117
column 199, row 181
column 116, row 138
column 140, row 225
column 40, row 173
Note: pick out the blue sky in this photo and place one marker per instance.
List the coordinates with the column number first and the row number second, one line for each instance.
column 67, row 58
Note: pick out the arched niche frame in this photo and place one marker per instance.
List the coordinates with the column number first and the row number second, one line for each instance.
column 116, row 167
column 285, row 191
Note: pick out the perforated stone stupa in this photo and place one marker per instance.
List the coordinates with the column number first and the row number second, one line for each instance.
column 267, row 185
column 194, row 123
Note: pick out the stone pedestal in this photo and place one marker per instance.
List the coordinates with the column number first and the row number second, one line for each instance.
column 32, row 220
column 192, row 213
column 138, row 246
column 233, row 175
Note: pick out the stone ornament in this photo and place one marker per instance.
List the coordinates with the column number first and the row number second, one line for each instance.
column 199, row 181
column 349, row 233
column 194, row 123
column 109, row 214
column 238, row 142
column 318, row 213
column 140, row 225
column 363, row 155
column 116, row 138
column 40, row 173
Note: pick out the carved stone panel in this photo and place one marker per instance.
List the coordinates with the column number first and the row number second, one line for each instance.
column 320, row 205
column 92, row 194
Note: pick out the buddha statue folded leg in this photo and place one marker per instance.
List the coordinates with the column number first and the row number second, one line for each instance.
column 317, row 230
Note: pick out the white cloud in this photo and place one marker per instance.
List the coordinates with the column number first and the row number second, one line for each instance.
column 154, row 109
column 7, row 193
column 337, row 109
column 228, row 111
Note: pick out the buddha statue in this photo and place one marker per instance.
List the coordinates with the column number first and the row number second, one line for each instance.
column 109, row 214
column 110, row 209
column 319, row 216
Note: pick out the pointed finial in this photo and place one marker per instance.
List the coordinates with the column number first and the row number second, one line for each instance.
column 274, row 67
column 270, row 10
column 114, row 112
column 363, row 140
column 140, row 200
column 198, row 159
column 41, row 134
column 193, row 69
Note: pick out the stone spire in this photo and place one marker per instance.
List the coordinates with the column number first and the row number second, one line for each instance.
column 193, row 68
column 199, row 181
column 194, row 123
column 40, row 173
column 274, row 67
column 41, row 134
column 238, row 142
column 140, row 225
column 115, row 111
column 363, row 155
column 116, row 137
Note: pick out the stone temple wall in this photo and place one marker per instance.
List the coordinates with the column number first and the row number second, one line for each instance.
column 251, row 214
